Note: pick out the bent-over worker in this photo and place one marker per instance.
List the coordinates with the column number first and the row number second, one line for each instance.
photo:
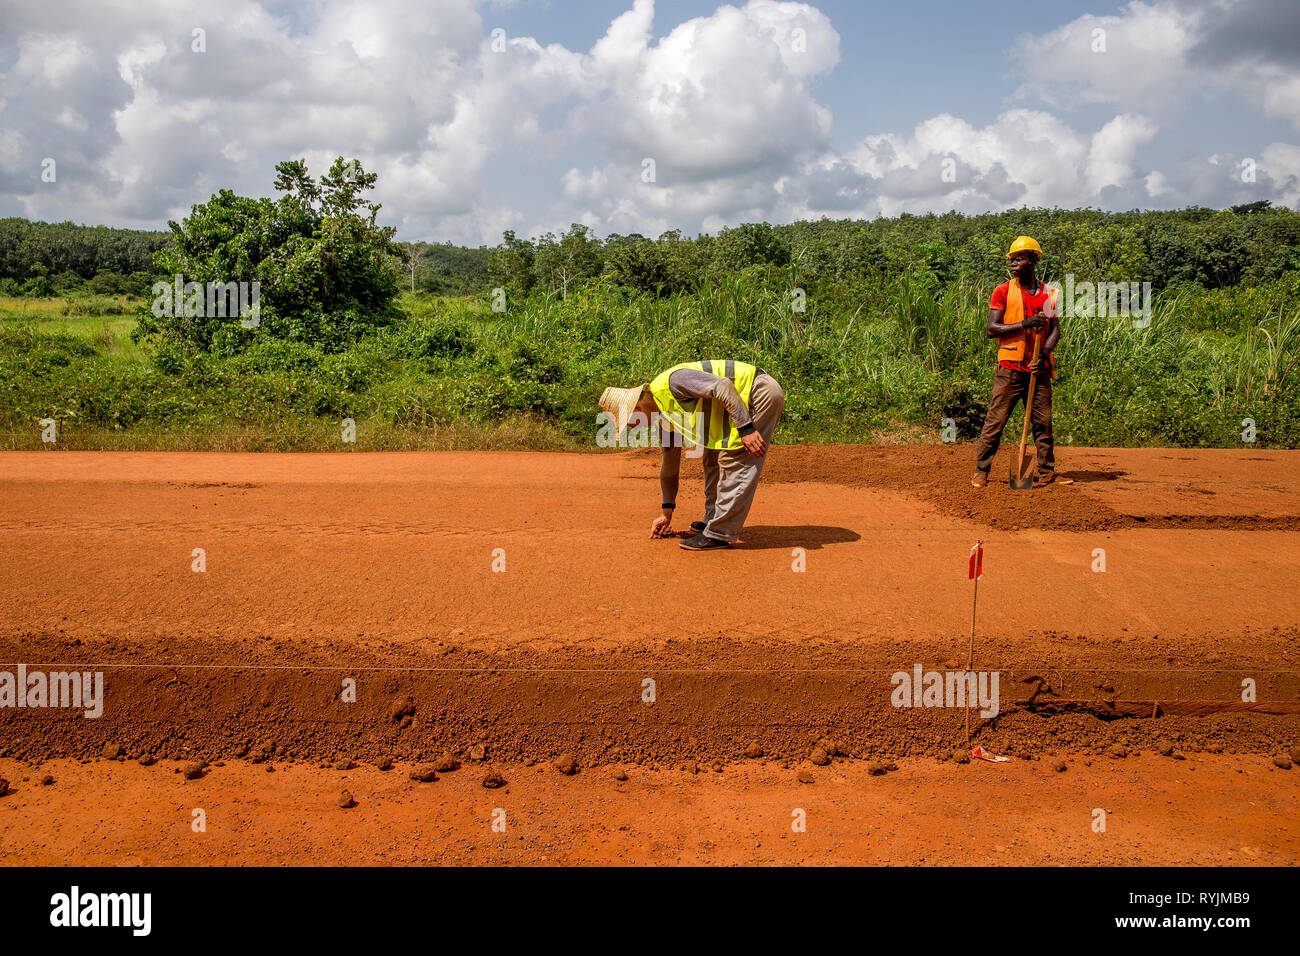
column 728, row 408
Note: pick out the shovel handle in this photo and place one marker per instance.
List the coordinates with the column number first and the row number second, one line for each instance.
column 1029, row 406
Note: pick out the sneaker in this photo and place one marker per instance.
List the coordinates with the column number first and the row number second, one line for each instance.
column 979, row 479
column 699, row 526
column 702, row 542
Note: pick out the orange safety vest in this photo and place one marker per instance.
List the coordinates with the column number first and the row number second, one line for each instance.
column 1019, row 348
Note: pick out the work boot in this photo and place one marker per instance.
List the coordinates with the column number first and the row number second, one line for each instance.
column 702, row 542
column 979, row 479
column 1052, row 478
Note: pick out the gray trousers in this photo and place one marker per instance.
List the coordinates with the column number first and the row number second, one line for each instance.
column 731, row 477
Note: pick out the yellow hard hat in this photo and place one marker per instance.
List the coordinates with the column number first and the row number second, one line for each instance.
column 1025, row 242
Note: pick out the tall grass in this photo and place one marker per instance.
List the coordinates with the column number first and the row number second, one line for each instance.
column 864, row 361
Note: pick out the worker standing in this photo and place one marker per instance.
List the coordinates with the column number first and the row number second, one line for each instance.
column 730, row 410
column 1021, row 309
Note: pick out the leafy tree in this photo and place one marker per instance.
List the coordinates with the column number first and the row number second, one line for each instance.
column 575, row 256
column 753, row 243
column 638, row 265
column 1225, row 245
column 327, row 271
column 511, row 264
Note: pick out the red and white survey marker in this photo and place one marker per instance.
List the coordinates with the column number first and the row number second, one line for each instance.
column 977, row 560
column 981, row 754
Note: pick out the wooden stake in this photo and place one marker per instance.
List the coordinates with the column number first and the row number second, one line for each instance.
column 970, row 656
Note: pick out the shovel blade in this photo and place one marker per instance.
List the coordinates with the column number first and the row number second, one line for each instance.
column 1022, row 470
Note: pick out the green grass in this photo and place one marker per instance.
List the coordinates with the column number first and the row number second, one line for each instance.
column 106, row 321
column 884, row 361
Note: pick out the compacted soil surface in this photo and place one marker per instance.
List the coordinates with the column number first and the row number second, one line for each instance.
column 508, row 615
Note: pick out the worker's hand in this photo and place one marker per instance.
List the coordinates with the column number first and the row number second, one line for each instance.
column 1033, row 323
column 1043, row 365
column 662, row 525
column 754, row 444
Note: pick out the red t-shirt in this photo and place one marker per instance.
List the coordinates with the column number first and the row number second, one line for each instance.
column 1033, row 306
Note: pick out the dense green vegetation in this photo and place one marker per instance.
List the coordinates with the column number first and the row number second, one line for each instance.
column 38, row 259
column 1206, row 247
column 326, row 273
column 883, row 361
column 889, row 342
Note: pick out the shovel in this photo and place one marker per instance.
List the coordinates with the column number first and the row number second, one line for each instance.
column 1022, row 466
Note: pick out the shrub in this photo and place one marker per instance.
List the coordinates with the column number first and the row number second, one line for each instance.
column 327, row 273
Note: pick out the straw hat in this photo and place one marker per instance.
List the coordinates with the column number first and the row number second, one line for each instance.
column 621, row 403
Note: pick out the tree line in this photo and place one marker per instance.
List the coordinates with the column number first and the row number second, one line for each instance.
column 1205, row 247
column 40, row 258
column 1210, row 248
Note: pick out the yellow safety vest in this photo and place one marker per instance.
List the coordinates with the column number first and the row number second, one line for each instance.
column 705, row 421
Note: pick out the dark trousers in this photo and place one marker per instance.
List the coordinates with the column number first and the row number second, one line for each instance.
column 1011, row 388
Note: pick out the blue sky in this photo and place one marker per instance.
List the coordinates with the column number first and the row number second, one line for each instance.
column 757, row 110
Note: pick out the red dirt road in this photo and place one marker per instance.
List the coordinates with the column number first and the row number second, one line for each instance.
column 319, row 549
column 379, row 569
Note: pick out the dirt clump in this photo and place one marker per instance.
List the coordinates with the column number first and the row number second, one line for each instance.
column 940, row 475
column 346, row 801
column 402, row 706
column 566, row 764
column 492, row 780
column 424, row 774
